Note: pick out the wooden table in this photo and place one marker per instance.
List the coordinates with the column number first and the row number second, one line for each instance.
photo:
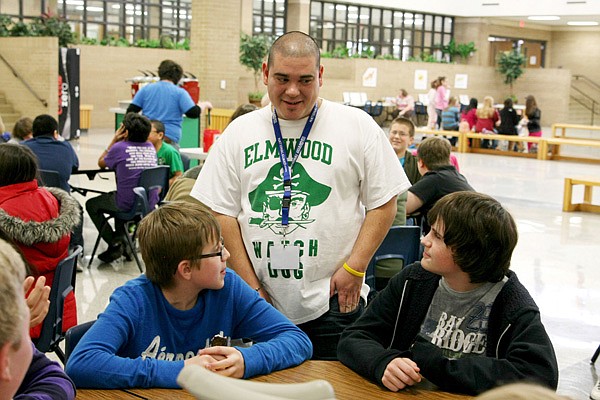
column 347, row 385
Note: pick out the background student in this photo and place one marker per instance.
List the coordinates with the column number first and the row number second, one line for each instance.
column 439, row 177
column 402, row 136
column 165, row 153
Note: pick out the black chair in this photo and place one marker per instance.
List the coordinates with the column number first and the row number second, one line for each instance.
column 52, row 329
column 377, row 109
column 73, row 336
column 156, row 179
column 368, row 107
column 153, row 185
column 595, row 356
column 49, row 178
column 185, row 160
column 400, row 247
column 420, row 115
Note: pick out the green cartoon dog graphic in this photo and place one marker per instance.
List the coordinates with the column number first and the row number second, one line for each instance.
column 266, row 199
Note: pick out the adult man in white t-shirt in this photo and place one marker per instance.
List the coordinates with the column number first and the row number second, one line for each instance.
column 303, row 240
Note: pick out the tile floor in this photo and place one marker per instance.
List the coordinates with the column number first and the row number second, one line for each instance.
column 557, row 257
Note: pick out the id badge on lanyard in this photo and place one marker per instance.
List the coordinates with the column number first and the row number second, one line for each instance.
column 284, row 256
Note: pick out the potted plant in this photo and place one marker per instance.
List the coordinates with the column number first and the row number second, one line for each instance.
column 462, row 50
column 253, row 50
column 509, row 65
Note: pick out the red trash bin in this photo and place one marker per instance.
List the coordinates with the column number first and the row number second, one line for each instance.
column 192, row 87
column 210, row 135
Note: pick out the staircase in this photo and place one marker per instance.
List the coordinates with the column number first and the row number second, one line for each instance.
column 582, row 115
column 584, row 104
column 8, row 113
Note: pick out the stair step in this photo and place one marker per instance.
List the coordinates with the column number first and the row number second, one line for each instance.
column 10, row 118
column 6, row 108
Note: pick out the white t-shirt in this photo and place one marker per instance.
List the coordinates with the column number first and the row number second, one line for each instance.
column 346, row 164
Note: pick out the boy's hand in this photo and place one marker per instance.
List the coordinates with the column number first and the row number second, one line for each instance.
column 202, row 361
column 400, row 373
column 37, row 300
column 120, row 134
column 228, row 361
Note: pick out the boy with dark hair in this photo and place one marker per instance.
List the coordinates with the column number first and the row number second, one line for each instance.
column 166, row 154
column 128, row 154
column 460, row 318
column 161, row 321
column 439, row 177
column 167, row 102
column 55, row 154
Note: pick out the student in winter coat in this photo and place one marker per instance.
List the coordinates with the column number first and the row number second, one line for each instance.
column 37, row 220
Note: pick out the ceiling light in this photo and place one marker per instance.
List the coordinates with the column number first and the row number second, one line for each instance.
column 582, row 23
column 543, row 18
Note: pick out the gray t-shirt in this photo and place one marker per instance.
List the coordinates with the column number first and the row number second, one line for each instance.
column 457, row 322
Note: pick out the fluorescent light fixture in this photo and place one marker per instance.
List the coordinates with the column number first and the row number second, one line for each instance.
column 543, row 18
column 582, row 23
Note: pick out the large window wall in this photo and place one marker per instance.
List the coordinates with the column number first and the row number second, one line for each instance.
column 269, row 17
column 362, row 30
column 129, row 19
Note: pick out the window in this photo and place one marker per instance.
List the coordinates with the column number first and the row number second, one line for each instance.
column 533, row 50
column 268, row 17
column 373, row 31
column 129, row 19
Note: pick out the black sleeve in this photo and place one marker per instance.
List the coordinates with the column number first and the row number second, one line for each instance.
column 133, row 108
column 193, row 112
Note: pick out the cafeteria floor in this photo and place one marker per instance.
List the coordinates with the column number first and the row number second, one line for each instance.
column 557, row 257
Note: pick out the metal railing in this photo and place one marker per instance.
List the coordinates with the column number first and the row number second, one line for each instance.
column 19, row 77
column 588, row 99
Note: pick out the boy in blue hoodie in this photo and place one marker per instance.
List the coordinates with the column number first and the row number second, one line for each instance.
column 165, row 319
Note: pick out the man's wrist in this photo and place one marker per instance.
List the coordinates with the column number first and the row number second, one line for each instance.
column 354, row 272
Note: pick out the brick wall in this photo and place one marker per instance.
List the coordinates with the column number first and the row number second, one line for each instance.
column 578, row 51
column 36, row 61
column 104, row 70
column 549, row 86
column 215, row 45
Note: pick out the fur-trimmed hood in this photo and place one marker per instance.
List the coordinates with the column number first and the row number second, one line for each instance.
column 32, row 232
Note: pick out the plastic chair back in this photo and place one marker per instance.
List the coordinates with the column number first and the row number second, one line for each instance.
column 155, row 181
column 368, row 107
column 400, row 247
column 52, row 328
column 420, row 108
column 377, row 109
column 74, row 335
column 49, row 178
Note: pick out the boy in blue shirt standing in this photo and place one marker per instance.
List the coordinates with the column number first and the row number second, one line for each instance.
column 161, row 321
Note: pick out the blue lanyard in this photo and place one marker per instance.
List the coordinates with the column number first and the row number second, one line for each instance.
column 287, row 176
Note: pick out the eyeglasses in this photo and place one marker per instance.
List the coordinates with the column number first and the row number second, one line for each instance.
column 209, row 255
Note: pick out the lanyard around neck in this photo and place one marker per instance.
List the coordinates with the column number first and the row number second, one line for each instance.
column 287, row 176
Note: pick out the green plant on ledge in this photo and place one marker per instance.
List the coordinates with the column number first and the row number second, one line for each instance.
column 462, row 50
column 44, row 25
column 510, row 66
column 253, row 50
